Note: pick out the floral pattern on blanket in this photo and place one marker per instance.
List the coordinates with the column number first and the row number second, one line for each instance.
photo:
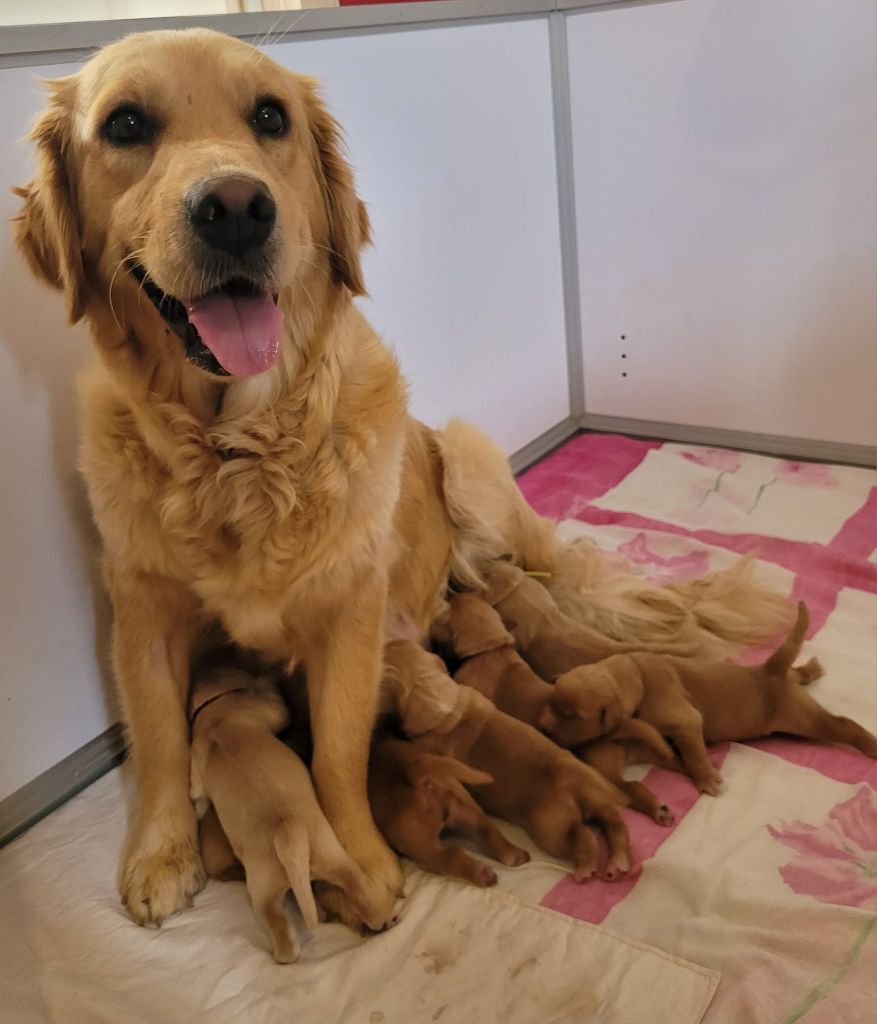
column 787, row 911
column 835, row 862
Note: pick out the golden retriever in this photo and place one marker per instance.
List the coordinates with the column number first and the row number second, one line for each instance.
column 246, row 442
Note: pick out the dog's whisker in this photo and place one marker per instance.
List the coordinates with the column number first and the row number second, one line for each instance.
column 265, row 39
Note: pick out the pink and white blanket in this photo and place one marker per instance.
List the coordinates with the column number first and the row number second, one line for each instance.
column 774, row 882
column 758, row 907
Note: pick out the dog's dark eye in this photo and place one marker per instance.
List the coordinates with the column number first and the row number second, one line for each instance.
column 602, row 716
column 127, row 126
column 568, row 713
column 269, row 119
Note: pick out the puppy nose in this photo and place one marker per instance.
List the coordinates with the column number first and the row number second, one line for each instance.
column 234, row 214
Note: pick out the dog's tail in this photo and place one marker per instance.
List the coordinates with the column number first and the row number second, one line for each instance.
column 487, row 510
column 491, row 519
column 782, row 659
column 293, row 850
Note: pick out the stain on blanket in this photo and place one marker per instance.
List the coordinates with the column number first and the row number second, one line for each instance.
column 522, row 966
column 542, row 993
column 376, row 1017
column 439, row 1011
column 439, row 959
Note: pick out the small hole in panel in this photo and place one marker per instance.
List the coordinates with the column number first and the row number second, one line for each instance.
column 624, row 337
column 624, row 375
column 624, row 355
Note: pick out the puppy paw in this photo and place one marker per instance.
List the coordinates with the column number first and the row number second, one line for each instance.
column 583, row 873
column 485, row 876
column 286, row 951
column 664, row 816
column 710, row 784
column 514, row 857
column 616, row 868
column 159, row 878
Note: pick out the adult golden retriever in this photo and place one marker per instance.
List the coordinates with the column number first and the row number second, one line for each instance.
column 246, row 443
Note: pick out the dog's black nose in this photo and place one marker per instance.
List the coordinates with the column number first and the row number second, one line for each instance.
column 234, row 214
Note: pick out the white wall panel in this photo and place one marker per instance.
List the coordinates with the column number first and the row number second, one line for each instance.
column 452, row 137
column 52, row 699
column 725, row 191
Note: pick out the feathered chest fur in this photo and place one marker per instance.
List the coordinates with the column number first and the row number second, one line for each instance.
column 245, row 506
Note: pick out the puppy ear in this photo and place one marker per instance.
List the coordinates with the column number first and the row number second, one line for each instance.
column 628, row 683
column 475, row 626
column 47, row 228
column 349, row 228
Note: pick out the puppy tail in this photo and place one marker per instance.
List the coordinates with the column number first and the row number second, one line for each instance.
column 779, row 663
column 810, row 671
column 293, row 850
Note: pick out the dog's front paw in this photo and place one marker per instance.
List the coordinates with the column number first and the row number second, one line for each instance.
column 371, row 904
column 159, row 878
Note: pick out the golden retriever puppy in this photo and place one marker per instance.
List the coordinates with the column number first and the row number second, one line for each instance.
column 487, row 661
column 415, row 796
column 246, row 442
column 692, row 700
column 265, row 804
column 220, row 861
column 535, row 784
column 550, row 641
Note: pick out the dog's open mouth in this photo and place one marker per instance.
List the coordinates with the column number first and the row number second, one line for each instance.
column 234, row 329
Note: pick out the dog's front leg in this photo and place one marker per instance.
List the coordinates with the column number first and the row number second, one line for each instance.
column 344, row 670
column 154, row 623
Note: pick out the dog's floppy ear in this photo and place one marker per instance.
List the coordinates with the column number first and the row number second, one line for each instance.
column 627, row 682
column 47, row 228
column 475, row 626
column 349, row 228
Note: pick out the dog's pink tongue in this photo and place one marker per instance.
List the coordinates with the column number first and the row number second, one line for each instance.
column 242, row 331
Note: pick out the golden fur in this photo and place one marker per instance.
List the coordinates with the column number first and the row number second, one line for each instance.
column 695, row 701
column 533, row 783
column 415, row 796
column 286, row 505
column 488, row 662
column 265, row 802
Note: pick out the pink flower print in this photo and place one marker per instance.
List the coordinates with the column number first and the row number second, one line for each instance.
column 835, row 862
column 719, row 459
column 805, row 474
column 675, row 567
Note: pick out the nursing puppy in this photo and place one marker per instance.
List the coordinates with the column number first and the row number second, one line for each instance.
column 690, row 700
column 550, row 641
column 487, row 661
column 535, row 784
column 265, row 805
column 415, row 796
